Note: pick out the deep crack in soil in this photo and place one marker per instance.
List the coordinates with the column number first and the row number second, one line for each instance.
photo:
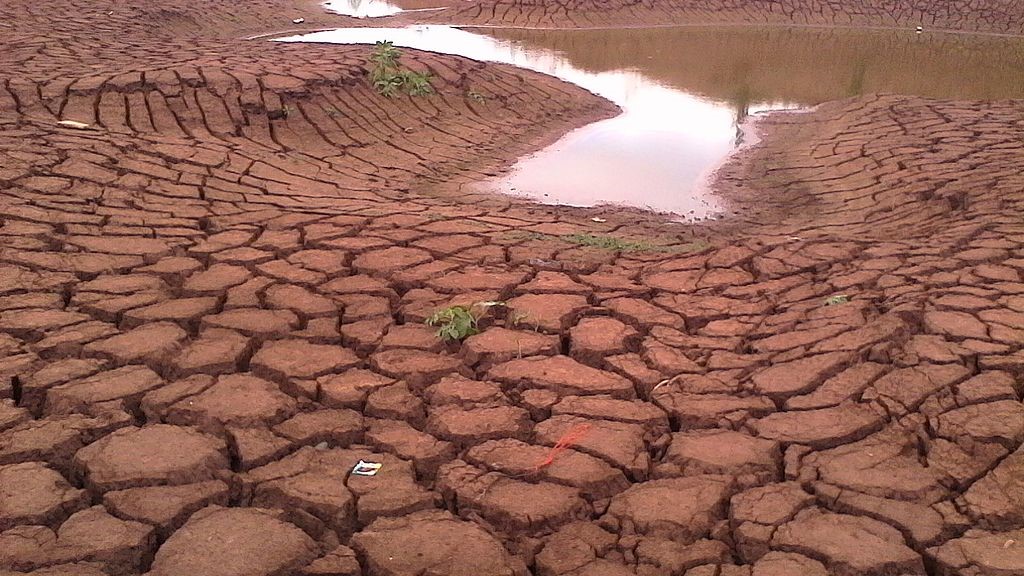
column 212, row 303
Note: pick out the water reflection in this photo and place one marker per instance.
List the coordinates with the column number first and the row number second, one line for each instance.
column 684, row 93
column 800, row 65
column 381, row 8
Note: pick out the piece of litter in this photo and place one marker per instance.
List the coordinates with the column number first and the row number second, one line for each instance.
column 73, row 124
column 667, row 382
column 364, row 468
column 794, row 238
column 837, row 300
column 660, row 384
column 920, row 29
column 598, row 220
column 574, row 435
column 546, row 264
column 298, row 21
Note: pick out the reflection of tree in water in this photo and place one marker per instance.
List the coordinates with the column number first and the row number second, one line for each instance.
column 371, row 8
column 800, row 66
column 742, row 96
column 860, row 68
column 741, row 104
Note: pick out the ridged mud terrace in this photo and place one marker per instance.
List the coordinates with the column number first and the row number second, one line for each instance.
column 212, row 305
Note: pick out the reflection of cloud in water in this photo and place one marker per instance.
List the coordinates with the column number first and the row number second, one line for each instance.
column 363, row 8
column 624, row 87
column 652, row 155
column 380, row 8
column 685, row 90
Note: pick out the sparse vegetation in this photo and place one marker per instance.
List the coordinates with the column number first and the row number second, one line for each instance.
column 695, row 246
column 837, row 300
column 475, row 96
column 390, row 78
column 620, row 245
column 613, row 243
column 456, row 323
column 608, row 243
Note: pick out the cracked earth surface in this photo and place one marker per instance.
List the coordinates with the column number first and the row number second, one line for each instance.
column 212, row 305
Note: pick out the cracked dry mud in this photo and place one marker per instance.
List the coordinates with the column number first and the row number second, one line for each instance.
column 212, row 305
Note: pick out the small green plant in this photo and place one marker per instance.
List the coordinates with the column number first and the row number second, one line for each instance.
column 385, row 54
column 390, row 79
column 416, row 83
column 388, row 86
column 837, row 300
column 475, row 96
column 456, row 323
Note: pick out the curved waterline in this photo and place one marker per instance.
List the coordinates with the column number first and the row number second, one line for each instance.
column 684, row 93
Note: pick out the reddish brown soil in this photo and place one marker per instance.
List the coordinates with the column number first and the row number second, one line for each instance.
column 212, row 304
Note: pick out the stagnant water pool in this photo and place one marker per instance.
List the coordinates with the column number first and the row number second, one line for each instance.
column 380, row 8
column 686, row 91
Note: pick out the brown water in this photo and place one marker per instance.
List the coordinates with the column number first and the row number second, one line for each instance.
column 686, row 91
column 801, row 65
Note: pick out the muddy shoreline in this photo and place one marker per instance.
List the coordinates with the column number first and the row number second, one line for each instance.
column 214, row 357
column 708, row 88
column 988, row 16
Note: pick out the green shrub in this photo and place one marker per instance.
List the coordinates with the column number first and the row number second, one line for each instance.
column 390, row 79
column 456, row 323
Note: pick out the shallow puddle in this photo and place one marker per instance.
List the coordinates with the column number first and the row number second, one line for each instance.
column 381, row 8
column 685, row 92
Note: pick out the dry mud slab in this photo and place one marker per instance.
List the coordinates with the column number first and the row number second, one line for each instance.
column 211, row 307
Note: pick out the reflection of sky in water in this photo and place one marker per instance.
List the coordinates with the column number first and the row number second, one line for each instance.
column 362, row 8
column 374, row 8
column 653, row 155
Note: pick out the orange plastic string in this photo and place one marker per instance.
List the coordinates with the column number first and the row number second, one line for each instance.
column 572, row 436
